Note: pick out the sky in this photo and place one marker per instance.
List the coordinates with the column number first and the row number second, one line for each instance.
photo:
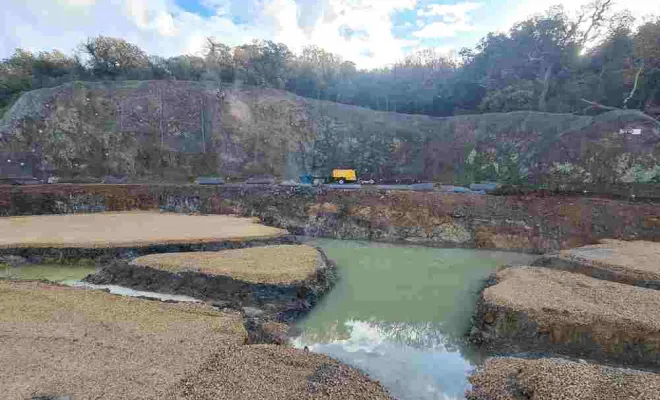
column 371, row 33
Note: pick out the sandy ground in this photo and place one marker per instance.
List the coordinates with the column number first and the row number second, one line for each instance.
column 557, row 379
column 638, row 259
column 274, row 373
column 127, row 229
column 270, row 264
column 555, row 297
column 57, row 340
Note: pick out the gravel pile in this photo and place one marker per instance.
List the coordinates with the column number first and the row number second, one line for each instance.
column 632, row 262
column 558, row 379
column 269, row 264
column 274, row 372
column 127, row 229
column 87, row 344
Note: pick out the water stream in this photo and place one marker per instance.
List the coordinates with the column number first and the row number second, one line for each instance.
column 399, row 314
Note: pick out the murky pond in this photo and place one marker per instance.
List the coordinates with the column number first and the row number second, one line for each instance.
column 399, row 313
column 49, row 272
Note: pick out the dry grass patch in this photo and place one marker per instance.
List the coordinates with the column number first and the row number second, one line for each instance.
column 127, row 229
column 269, row 264
column 553, row 378
column 90, row 344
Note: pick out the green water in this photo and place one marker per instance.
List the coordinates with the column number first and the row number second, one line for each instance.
column 400, row 313
column 49, row 272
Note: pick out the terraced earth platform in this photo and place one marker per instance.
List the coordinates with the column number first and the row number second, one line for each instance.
column 542, row 310
column 504, row 378
column 284, row 264
column 64, row 341
column 92, row 235
column 282, row 281
column 631, row 262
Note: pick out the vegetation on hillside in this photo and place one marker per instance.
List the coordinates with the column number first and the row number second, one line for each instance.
column 555, row 62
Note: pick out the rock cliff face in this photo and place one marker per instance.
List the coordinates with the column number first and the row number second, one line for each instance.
column 174, row 130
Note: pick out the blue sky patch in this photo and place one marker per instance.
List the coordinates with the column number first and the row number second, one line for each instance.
column 195, row 7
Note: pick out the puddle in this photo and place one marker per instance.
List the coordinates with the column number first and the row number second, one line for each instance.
column 49, row 272
column 124, row 291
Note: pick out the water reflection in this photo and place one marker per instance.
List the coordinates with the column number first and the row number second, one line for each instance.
column 414, row 361
column 400, row 313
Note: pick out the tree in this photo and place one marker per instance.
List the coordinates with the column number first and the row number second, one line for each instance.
column 644, row 69
column 219, row 61
column 263, row 63
column 112, row 57
column 187, row 68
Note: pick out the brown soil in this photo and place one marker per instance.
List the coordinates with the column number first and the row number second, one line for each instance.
column 86, row 344
column 104, row 230
column 632, row 262
column 541, row 309
column 270, row 264
column 556, row 379
column 274, row 372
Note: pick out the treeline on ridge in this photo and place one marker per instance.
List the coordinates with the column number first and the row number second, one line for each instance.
column 555, row 62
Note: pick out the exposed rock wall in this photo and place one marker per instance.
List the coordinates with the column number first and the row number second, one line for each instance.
column 534, row 222
column 172, row 131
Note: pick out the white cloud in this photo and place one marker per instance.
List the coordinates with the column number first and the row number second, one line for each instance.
column 457, row 10
column 161, row 28
column 443, row 29
column 454, row 18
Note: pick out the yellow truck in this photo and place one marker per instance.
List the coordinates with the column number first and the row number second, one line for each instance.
column 340, row 176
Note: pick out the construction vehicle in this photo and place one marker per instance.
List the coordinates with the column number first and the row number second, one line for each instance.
column 340, row 176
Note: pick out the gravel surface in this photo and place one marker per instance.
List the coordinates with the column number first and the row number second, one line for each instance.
column 558, row 379
column 555, row 297
column 274, row 372
column 57, row 340
column 127, row 229
column 269, row 264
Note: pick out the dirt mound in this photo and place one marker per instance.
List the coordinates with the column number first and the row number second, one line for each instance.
column 547, row 310
column 632, row 262
column 553, row 378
